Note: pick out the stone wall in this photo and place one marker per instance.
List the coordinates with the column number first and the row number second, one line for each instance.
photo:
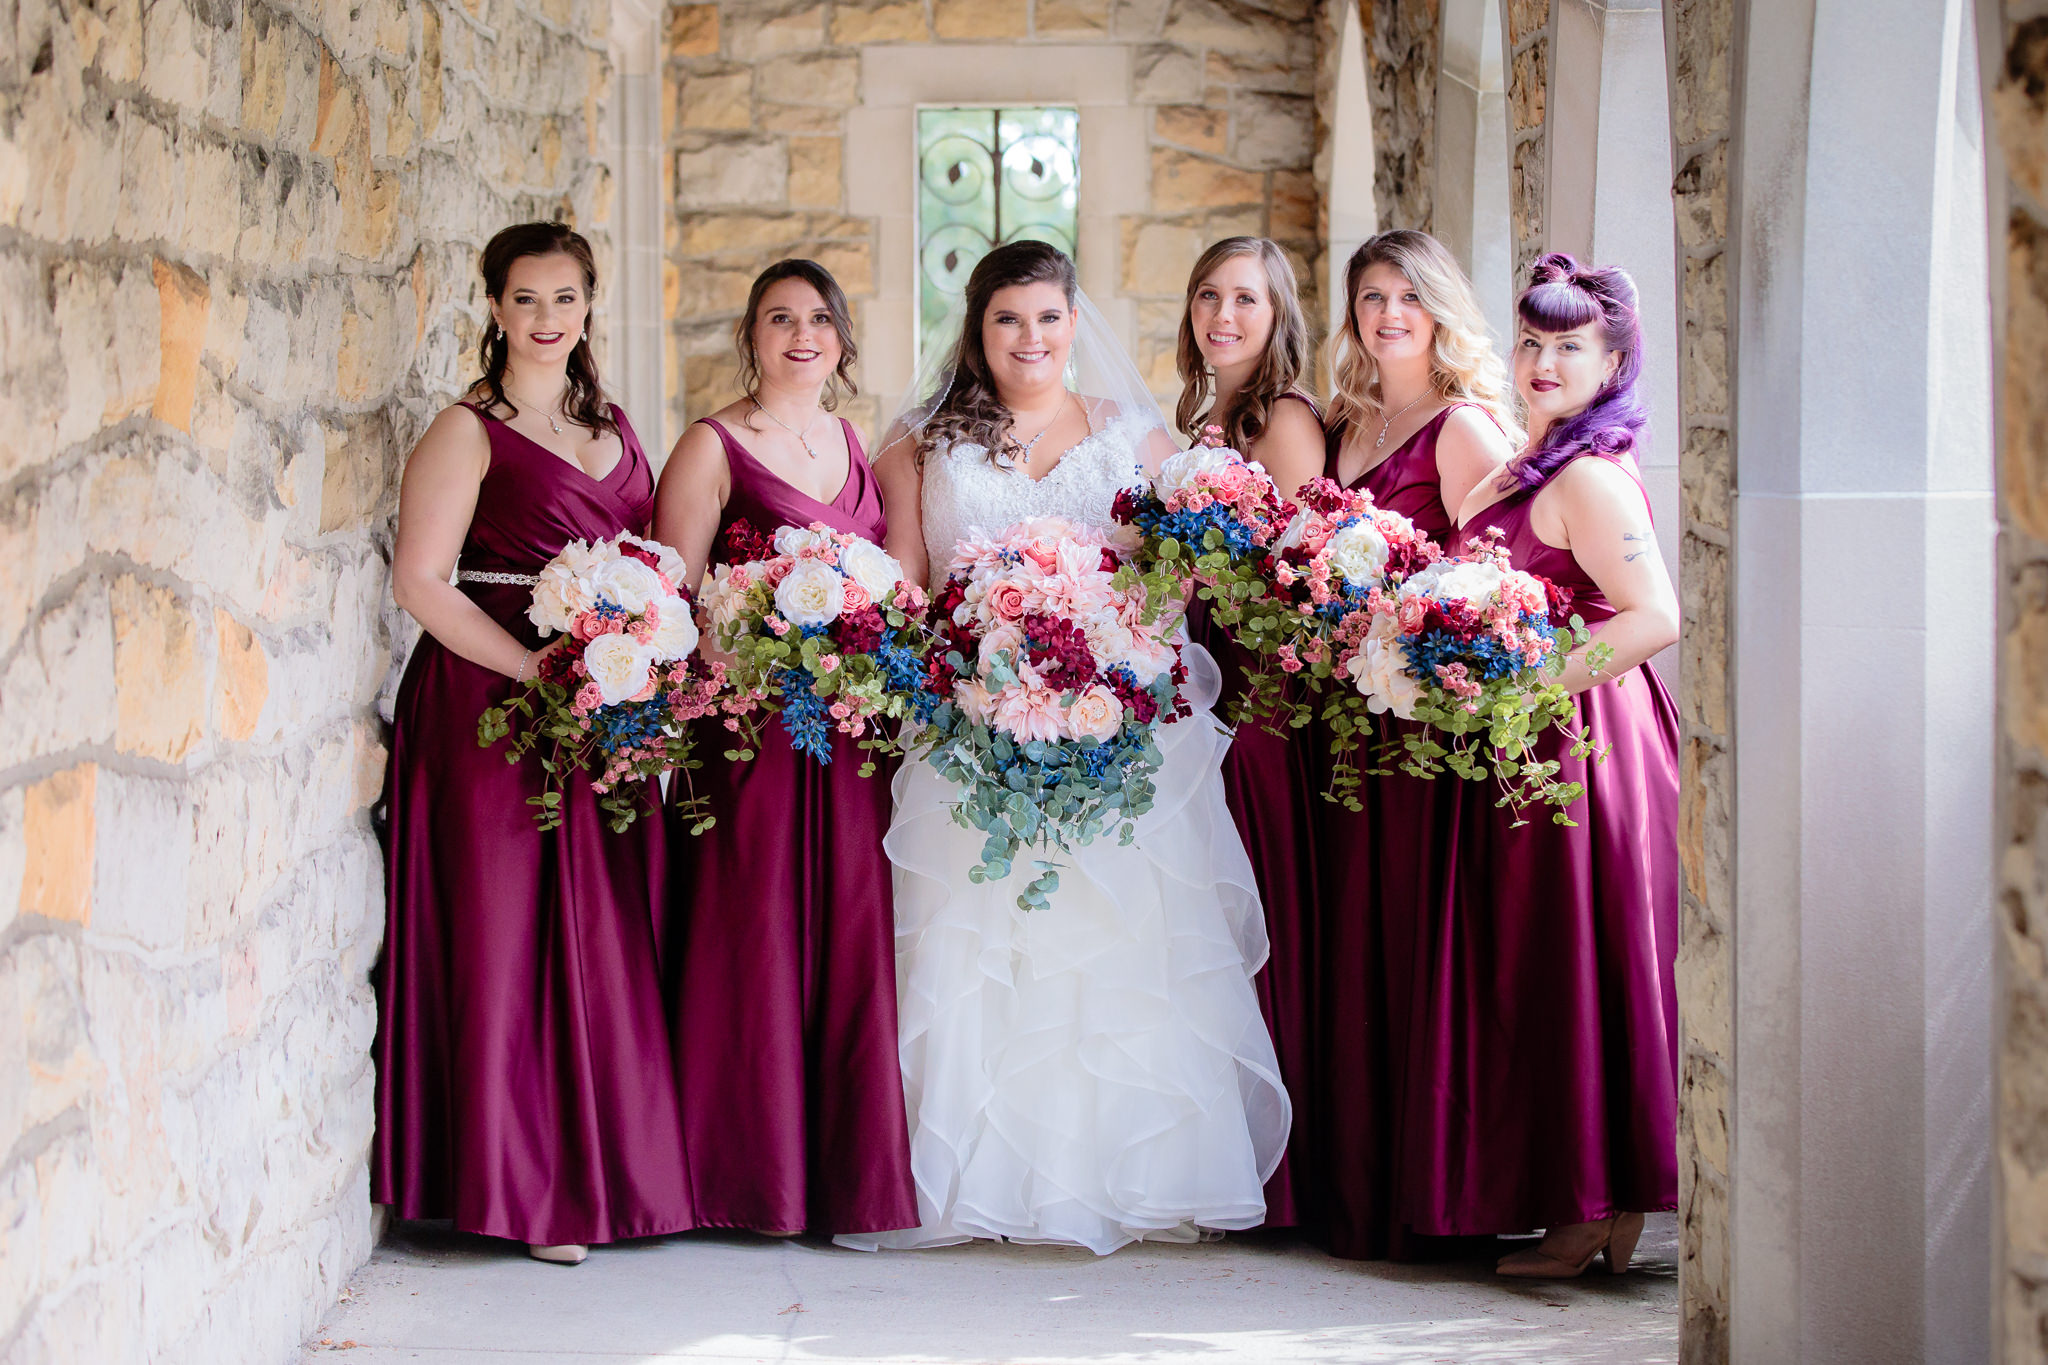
column 761, row 90
column 1529, row 24
column 1699, row 38
column 1401, row 73
column 2019, row 107
column 237, row 246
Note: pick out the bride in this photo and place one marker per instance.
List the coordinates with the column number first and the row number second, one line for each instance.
column 1096, row 1072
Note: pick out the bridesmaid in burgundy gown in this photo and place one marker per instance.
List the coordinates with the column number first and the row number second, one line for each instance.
column 1546, row 1092
column 780, row 942
column 1244, row 344
column 1419, row 420
column 523, row 1086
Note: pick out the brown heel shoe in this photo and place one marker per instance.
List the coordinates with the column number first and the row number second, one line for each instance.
column 1539, row 1264
column 1621, row 1242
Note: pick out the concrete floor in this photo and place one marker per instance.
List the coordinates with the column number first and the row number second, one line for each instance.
column 444, row 1298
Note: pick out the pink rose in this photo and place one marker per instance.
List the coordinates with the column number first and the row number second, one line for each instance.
column 1005, row 600
column 828, row 663
column 855, row 597
column 910, row 598
column 588, row 698
column 1095, row 714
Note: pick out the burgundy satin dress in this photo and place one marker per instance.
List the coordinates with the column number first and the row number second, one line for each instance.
column 1268, row 782
column 1542, row 1077
column 1382, row 874
column 523, row 1085
column 780, row 954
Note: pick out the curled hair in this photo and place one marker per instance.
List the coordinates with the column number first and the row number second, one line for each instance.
column 1464, row 367
column 841, row 384
column 1564, row 296
column 585, row 404
column 969, row 411
column 1280, row 364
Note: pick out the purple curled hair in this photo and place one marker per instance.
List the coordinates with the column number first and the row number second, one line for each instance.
column 1564, row 296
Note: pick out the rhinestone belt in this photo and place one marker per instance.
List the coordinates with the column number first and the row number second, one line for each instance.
column 524, row 580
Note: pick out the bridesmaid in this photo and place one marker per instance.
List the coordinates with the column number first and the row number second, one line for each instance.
column 1548, row 1075
column 1243, row 346
column 780, row 937
column 523, row 1086
column 1419, row 419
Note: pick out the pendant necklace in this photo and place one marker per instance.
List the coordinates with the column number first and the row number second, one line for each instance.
column 1389, row 422
column 802, row 439
column 1024, row 450
column 553, row 425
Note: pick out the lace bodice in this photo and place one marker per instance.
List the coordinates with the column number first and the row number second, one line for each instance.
column 965, row 493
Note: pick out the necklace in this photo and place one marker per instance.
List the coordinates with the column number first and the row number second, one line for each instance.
column 1397, row 417
column 1024, row 451
column 553, row 425
column 801, row 438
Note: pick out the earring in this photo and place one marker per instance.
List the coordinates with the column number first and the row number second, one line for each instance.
column 586, row 334
column 501, row 331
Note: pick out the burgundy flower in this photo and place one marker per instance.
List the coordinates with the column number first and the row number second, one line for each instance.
column 744, row 544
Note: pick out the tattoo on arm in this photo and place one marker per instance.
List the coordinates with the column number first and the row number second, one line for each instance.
column 1644, row 540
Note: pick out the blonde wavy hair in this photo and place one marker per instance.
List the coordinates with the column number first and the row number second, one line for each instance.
column 1463, row 363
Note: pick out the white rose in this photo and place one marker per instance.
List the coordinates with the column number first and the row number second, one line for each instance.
column 676, row 636
column 1380, row 671
column 794, row 540
column 1359, row 553
column 724, row 600
column 619, row 665
column 869, row 565
column 1454, row 578
column 1180, row 471
column 810, row 594
column 628, row 583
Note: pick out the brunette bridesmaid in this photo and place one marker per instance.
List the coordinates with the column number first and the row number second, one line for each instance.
column 1419, row 419
column 780, row 939
column 1547, row 1077
column 523, row 1086
column 1244, row 344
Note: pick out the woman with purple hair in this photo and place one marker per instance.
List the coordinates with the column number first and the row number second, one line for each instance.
column 1543, row 1084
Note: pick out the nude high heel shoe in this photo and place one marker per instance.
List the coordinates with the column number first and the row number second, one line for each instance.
column 567, row 1253
column 1618, row 1244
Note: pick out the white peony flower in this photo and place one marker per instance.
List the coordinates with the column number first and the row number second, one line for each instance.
column 1380, row 671
column 670, row 564
column 619, row 666
column 676, row 636
column 628, row 583
column 566, row 588
column 1296, row 529
column 1359, row 553
column 810, row 594
column 1454, row 578
column 794, row 540
column 1180, row 471
column 869, row 565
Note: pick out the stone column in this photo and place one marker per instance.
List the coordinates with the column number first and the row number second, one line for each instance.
column 1700, row 36
column 1400, row 38
column 1471, row 199
column 1862, row 635
column 2017, row 40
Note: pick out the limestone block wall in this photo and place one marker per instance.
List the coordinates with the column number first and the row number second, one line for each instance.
column 1699, row 38
column 1529, row 24
column 2019, row 106
column 758, row 129
column 237, row 246
column 1401, row 61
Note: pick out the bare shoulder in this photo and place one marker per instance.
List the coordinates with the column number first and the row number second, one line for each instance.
column 1592, row 487
column 1294, row 421
column 1471, row 431
column 456, row 437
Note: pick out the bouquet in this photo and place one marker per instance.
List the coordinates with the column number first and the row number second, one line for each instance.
column 1054, row 666
column 1336, row 551
column 1208, row 518
column 614, row 700
column 1472, row 648
column 825, row 632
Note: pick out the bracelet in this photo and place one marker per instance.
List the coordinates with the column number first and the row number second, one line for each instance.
column 520, row 676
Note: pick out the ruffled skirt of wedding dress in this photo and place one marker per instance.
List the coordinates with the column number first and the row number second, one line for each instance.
column 1097, row 1072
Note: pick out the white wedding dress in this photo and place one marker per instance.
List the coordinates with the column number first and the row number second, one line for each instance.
column 1097, row 1072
